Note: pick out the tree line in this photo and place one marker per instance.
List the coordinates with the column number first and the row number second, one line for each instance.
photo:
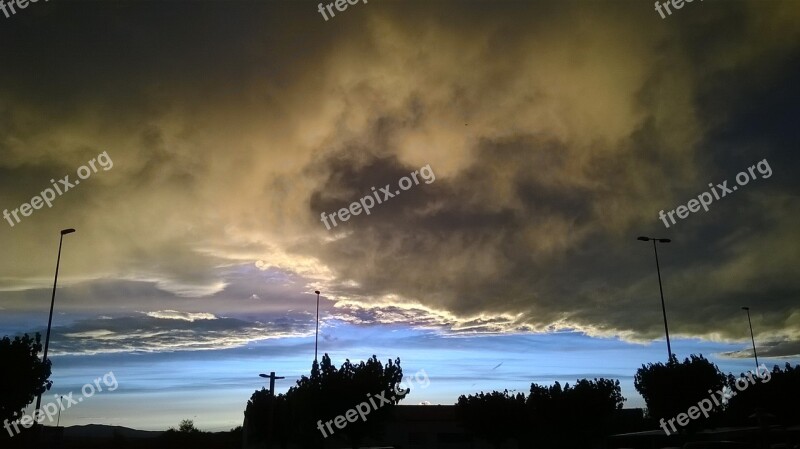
column 549, row 416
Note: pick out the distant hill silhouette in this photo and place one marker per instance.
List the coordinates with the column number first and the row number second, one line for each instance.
column 91, row 431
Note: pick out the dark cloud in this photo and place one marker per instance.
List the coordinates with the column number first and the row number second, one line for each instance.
column 232, row 126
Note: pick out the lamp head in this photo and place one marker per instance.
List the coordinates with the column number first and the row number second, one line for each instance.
column 746, row 308
column 67, row 231
column 316, row 291
column 263, row 375
column 644, row 239
column 664, row 240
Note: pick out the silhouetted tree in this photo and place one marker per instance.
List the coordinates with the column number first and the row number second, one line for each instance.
column 495, row 417
column 774, row 393
column 257, row 414
column 187, row 426
column 23, row 375
column 325, row 394
column 186, row 435
column 573, row 415
column 550, row 417
column 671, row 388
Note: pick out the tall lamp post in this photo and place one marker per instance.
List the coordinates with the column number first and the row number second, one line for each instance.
column 747, row 309
column 660, row 289
column 52, row 303
column 316, row 334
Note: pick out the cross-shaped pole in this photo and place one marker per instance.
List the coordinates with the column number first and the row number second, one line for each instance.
column 271, row 378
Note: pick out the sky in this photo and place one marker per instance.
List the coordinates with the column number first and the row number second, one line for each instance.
column 218, row 160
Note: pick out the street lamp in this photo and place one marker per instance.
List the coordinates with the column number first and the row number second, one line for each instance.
column 747, row 309
column 52, row 303
column 660, row 289
column 316, row 334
